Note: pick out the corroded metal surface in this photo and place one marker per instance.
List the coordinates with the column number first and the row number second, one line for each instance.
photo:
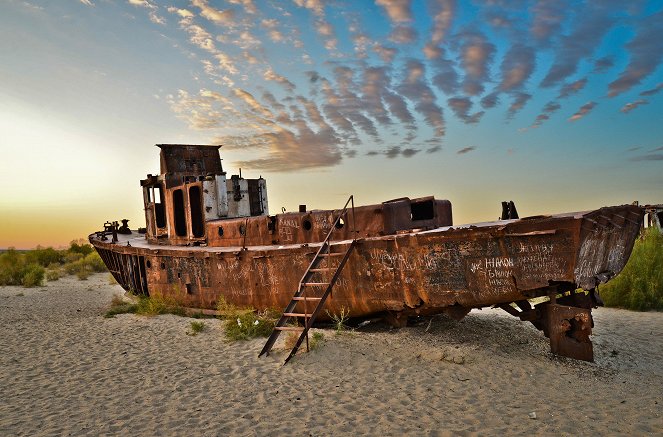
column 417, row 272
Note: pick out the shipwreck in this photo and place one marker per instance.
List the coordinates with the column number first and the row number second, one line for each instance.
column 209, row 235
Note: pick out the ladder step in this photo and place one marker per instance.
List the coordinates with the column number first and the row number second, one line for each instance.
column 305, row 298
column 297, row 315
column 313, row 284
column 288, row 328
column 331, row 254
column 321, row 269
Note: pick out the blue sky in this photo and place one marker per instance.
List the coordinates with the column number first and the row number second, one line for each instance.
column 557, row 105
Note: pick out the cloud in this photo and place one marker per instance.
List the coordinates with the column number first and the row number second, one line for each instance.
column 631, row 106
column 517, row 66
column 490, row 100
column 385, row 53
column 592, row 23
column 403, row 35
column 183, row 13
column 399, row 11
column 152, row 14
column 584, row 110
column 602, row 64
column 550, row 108
column 316, row 6
column 461, row 107
column 572, row 88
column 520, row 100
column 653, row 91
column 442, row 12
column 375, row 86
column 87, row 2
column 207, row 110
column 396, row 151
column 289, row 150
column 476, row 53
column 252, row 103
column 414, row 87
column 465, row 150
column 547, row 19
column 649, row 157
column 249, row 6
column 270, row 75
column 646, row 53
column 214, row 15
column 446, row 77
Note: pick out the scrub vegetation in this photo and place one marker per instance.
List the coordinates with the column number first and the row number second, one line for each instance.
column 246, row 323
column 29, row 268
column 145, row 306
column 640, row 285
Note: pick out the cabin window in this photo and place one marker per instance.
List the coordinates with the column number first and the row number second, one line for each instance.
column 159, row 207
column 422, row 210
column 195, row 205
column 178, row 210
column 220, row 230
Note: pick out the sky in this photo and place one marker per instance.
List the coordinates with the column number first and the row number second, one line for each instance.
column 556, row 105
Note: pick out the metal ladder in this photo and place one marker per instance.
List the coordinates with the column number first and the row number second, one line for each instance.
column 321, row 263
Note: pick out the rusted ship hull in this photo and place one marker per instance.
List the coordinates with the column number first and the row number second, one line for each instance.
column 451, row 269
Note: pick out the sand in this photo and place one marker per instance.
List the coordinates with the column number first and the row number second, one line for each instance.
column 67, row 370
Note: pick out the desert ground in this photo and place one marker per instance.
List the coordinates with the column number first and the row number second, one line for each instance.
column 67, row 370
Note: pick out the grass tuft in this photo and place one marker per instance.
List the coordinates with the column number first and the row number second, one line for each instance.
column 156, row 305
column 120, row 306
column 196, row 328
column 340, row 320
column 640, row 285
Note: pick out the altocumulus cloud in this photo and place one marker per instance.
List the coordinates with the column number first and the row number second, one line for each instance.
column 308, row 83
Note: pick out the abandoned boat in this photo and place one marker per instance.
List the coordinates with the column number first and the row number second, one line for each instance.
column 209, row 236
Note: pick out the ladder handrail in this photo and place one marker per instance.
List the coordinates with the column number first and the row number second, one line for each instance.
column 325, row 242
column 301, row 290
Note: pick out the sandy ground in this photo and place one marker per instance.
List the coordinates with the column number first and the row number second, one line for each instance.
column 67, row 370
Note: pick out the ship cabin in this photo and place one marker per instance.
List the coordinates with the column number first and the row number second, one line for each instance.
column 192, row 202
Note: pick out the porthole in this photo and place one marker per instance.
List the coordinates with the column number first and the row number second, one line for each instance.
column 148, row 263
column 307, row 225
column 340, row 223
column 220, row 230
column 242, row 230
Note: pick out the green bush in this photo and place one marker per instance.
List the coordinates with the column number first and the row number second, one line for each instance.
column 155, row 305
column 249, row 325
column 17, row 269
column 80, row 246
column 45, row 257
column 21, row 268
column 640, row 285
column 246, row 323
column 33, row 275
column 53, row 274
column 83, row 267
column 12, row 264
